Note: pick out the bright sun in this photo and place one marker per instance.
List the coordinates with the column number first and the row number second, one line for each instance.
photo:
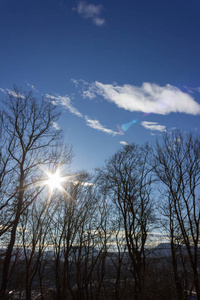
column 54, row 180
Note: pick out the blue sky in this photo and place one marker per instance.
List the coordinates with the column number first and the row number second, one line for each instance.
column 121, row 71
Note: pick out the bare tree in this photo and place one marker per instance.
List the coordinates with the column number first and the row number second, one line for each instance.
column 177, row 165
column 126, row 178
column 28, row 126
column 33, row 232
column 67, row 223
column 6, row 173
column 119, row 259
column 79, row 236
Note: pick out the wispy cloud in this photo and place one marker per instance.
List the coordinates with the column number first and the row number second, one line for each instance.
column 96, row 125
column 192, row 90
column 76, row 82
column 64, row 101
column 91, row 11
column 153, row 126
column 12, row 93
column 88, row 94
column 124, row 143
column 149, row 98
column 86, row 90
column 2, row 90
column 32, row 87
column 83, row 183
column 55, row 125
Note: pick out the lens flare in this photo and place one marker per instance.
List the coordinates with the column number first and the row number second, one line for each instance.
column 119, row 129
column 148, row 113
column 124, row 127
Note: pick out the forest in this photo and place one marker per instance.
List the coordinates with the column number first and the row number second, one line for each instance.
column 92, row 236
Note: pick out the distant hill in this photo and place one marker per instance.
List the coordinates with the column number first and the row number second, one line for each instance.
column 162, row 249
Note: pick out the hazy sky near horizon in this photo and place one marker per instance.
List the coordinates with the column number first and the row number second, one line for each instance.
column 121, row 71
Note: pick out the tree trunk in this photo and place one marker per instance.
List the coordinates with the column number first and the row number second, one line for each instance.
column 9, row 250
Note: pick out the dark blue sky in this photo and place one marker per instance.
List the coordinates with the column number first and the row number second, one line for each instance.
column 106, row 63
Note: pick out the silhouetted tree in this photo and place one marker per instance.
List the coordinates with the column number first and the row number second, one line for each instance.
column 177, row 165
column 27, row 124
column 126, row 179
column 6, row 173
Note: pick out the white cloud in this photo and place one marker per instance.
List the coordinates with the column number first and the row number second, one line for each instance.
column 87, row 91
column 65, row 101
column 32, row 86
column 96, row 125
column 88, row 94
column 192, row 90
column 153, row 126
column 55, row 125
column 99, row 21
column 91, row 11
column 83, row 183
column 12, row 93
column 124, row 143
column 75, row 82
column 149, row 98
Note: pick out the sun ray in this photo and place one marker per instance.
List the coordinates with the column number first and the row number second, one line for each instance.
column 54, row 181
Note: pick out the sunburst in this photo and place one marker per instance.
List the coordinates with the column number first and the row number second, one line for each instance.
column 54, row 181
